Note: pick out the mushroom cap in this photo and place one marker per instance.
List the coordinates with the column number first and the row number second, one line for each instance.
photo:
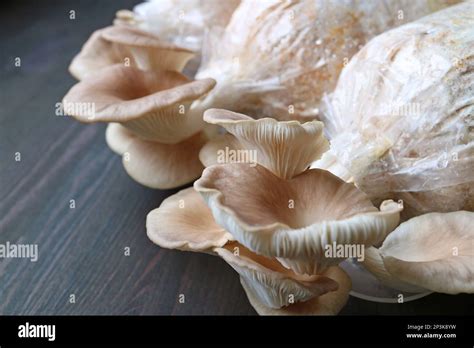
column 329, row 303
column 153, row 104
column 164, row 166
column 293, row 219
column 209, row 154
column 373, row 262
column 130, row 36
column 272, row 284
column 286, row 148
column 433, row 251
column 183, row 221
column 400, row 117
column 127, row 46
column 118, row 138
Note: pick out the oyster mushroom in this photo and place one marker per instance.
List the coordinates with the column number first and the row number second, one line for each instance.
column 154, row 164
column 184, row 222
column 271, row 284
column 433, row 251
column 218, row 144
column 285, row 148
column 329, row 303
column 118, row 138
column 164, row 166
column 129, row 47
column 153, row 104
column 278, row 58
column 294, row 220
column 153, row 124
column 400, row 118
column 373, row 262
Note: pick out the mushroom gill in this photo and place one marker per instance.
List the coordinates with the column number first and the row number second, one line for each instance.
column 155, row 105
column 286, row 148
column 294, row 220
column 184, row 222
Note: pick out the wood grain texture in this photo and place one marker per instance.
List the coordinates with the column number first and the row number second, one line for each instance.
column 81, row 250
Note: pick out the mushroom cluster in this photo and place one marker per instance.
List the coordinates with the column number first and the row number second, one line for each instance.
column 133, row 80
column 273, row 219
column 273, row 197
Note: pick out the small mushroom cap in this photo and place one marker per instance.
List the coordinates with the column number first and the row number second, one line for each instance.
column 127, row 45
column 327, row 304
column 373, row 262
column 118, row 138
column 286, row 148
column 164, row 166
column 183, row 221
column 274, row 285
column 209, row 154
column 433, row 251
column 293, row 219
column 153, row 104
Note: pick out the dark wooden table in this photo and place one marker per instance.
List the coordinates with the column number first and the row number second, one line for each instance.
column 81, row 250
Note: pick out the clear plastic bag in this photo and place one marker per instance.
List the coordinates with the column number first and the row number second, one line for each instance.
column 277, row 58
column 183, row 22
column 401, row 119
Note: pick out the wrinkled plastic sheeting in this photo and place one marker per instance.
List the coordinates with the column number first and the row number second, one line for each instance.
column 183, row 22
column 401, row 119
column 278, row 58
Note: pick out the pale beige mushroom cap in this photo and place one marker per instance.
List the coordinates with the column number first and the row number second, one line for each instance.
column 156, row 105
column 433, row 251
column 327, row 304
column 294, row 219
column 118, row 138
column 286, row 148
column 164, row 166
column 127, row 46
column 154, row 164
column 272, row 284
column 211, row 152
column 373, row 262
column 183, row 221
